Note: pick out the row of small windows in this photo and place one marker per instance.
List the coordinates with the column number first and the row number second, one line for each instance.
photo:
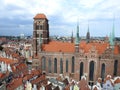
column 39, row 27
column 55, row 65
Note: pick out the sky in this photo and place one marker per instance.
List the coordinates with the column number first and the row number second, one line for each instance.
column 16, row 16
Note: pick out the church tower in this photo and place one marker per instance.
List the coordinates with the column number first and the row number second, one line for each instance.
column 40, row 32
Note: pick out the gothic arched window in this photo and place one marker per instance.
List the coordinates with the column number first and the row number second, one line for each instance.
column 91, row 71
column 73, row 64
column 103, row 71
column 43, row 63
column 49, row 66
column 115, row 67
column 81, row 69
column 66, row 65
column 55, row 65
column 61, row 66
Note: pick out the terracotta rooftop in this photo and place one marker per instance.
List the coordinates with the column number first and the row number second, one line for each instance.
column 13, row 85
column 1, row 75
column 39, row 79
column 58, row 46
column 8, row 61
column 40, row 16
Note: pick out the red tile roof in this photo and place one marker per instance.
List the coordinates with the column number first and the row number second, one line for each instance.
column 14, row 84
column 58, row 46
column 32, row 74
column 40, row 16
column 39, row 79
column 8, row 61
column 1, row 75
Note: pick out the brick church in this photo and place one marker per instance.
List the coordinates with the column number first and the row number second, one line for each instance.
column 92, row 58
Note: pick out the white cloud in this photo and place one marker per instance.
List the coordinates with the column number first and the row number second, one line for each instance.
column 65, row 12
column 70, row 11
column 90, row 3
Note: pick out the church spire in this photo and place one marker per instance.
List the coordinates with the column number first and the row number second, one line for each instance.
column 113, row 30
column 88, row 35
column 77, row 34
column 77, row 39
column 112, row 36
column 72, row 37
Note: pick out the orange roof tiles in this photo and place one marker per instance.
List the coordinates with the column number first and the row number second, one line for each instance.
column 13, row 85
column 100, row 47
column 21, row 66
column 58, row 46
column 1, row 75
column 33, row 73
column 8, row 61
column 39, row 79
column 40, row 16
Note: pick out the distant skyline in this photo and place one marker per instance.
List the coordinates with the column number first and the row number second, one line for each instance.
column 16, row 16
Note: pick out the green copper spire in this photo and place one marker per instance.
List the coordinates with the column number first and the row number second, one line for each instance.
column 113, row 31
column 112, row 35
column 111, row 40
column 77, row 35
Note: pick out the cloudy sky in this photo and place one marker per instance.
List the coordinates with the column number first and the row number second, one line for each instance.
column 16, row 16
